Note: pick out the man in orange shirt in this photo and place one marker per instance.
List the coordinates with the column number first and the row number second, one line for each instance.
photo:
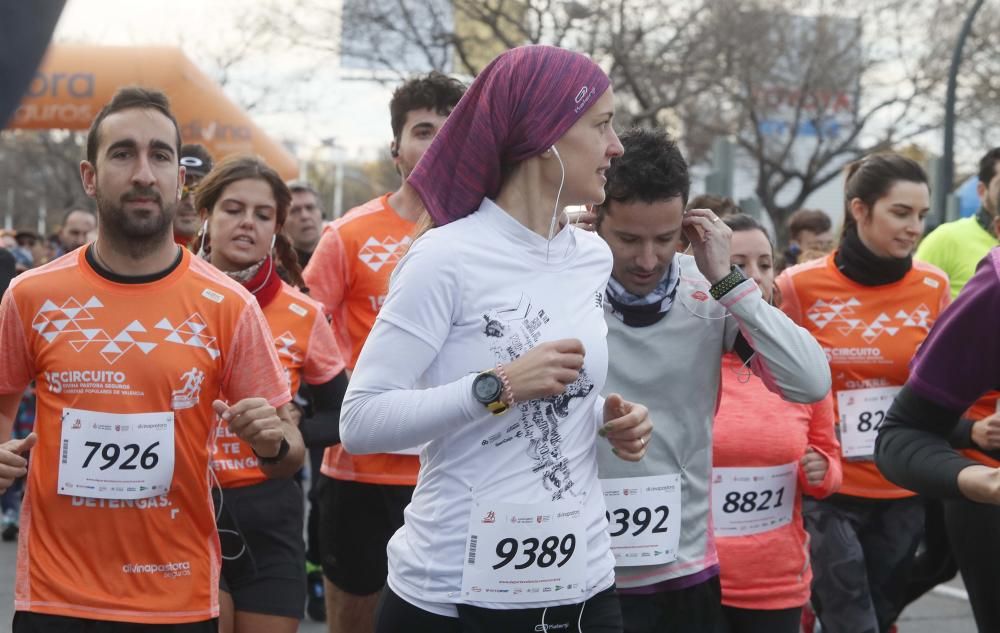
column 135, row 346
column 363, row 496
column 197, row 162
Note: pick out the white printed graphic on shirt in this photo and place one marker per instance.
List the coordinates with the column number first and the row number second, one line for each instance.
column 187, row 396
column 285, row 345
column 510, row 333
column 192, row 332
column 840, row 314
column 77, row 321
column 376, row 254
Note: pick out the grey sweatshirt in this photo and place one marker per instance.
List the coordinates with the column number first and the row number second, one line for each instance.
column 673, row 368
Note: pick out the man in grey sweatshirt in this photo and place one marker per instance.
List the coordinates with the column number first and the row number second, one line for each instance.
column 671, row 317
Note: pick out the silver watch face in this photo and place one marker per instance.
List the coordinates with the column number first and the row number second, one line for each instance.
column 486, row 388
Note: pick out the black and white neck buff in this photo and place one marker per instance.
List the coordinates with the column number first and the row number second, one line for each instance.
column 636, row 311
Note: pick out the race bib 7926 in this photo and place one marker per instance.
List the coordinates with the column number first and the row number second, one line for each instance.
column 114, row 455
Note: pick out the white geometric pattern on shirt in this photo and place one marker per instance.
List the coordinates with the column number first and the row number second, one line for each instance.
column 73, row 317
column 284, row 343
column 376, row 254
column 190, row 332
column 840, row 314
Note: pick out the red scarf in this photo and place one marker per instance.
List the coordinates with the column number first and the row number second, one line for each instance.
column 265, row 284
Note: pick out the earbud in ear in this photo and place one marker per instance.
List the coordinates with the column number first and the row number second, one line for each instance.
column 203, row 233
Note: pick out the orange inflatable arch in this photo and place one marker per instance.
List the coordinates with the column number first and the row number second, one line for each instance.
column 75, row 81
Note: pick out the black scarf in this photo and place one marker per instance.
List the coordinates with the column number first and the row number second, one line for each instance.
column 860, row 265
column 638, row 315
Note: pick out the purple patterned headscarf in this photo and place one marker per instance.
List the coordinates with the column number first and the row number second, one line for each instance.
column 517, row 107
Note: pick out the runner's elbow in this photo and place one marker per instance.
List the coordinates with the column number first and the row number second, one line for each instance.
column 352, row 433
column 817, row 384
column 811, row 385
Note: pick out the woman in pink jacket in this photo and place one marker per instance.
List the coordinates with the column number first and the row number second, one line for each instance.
column 767, row 453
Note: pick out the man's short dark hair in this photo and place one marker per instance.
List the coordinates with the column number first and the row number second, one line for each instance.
column 988, row 165
column 812, row 220
column 651, row 169
column 301, row 186
column 126, row 99
column 434, row 91
column 721, row 206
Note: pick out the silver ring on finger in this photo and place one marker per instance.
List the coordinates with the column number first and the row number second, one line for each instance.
column 642, row 441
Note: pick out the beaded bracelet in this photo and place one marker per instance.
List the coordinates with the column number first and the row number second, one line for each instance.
column 508, row 392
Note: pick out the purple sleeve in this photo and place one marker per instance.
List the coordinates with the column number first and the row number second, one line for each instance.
column 960, row 359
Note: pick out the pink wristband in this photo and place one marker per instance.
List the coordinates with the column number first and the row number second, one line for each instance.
column 508, row 392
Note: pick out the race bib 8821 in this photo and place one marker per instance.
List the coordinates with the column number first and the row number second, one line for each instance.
column 754, row 499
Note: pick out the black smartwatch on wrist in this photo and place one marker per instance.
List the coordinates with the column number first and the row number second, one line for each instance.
column 487, row 389
column 727, row 283
column 282, row 451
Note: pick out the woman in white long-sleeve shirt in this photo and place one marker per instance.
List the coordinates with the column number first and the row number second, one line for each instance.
column 490, row 352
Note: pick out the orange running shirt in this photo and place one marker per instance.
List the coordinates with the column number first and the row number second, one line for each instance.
column 869, row 334
column 307, row 350
column 170, row 346
column 349, row 274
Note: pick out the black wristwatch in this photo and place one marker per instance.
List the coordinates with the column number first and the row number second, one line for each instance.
column 487, row 389
column 282, row 451
column 727, row 283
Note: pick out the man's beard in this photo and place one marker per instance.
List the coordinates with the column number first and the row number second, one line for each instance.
column 132, row 235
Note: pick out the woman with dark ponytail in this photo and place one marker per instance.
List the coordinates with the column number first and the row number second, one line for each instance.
column 244, row 204
column 870, row 305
